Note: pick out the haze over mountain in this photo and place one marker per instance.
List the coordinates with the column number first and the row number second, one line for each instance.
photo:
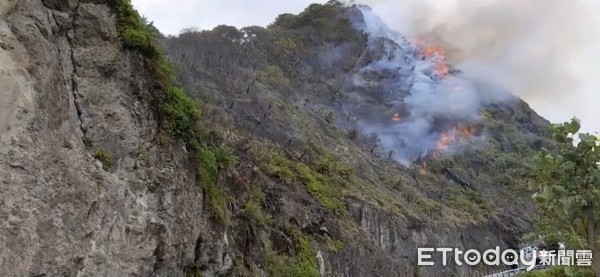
column 545, row 53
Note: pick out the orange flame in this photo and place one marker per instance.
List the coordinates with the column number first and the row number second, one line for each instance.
column 442, row 69
column 433, row 51
column 465, row 132
column 444, row 141
column 396, row 117
column 438, row 53
column 458, row 134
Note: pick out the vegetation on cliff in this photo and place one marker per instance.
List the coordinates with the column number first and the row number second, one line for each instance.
column 179, row 113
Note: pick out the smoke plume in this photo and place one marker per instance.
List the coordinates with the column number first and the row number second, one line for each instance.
column 436, row 108
column 534, row 49
column 542, row 50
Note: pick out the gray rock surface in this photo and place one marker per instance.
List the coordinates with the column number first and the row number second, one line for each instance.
column 66, row 87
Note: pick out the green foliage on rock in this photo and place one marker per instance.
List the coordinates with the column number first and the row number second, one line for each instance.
column 273, row 75
column 225, row 158
column 416, row 272
column 335, row 246
column 178, row 112
column 303, row 263
column 328, row 196
column 103, row 156
column 253, row 209
column 323, row 179
column 568, row 188
column 133, row 31
column 213, row 161
column 183, row 113
column 208, row 167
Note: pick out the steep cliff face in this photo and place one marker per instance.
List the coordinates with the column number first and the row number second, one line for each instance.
column 70, row 92
column 91, row 186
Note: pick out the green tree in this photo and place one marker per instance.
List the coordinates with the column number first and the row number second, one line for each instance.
column 568, row 187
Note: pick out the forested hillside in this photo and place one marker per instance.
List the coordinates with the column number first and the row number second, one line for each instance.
column 278, row 96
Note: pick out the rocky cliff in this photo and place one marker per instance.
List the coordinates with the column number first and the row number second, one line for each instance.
column 69, row 93
column 105, row 171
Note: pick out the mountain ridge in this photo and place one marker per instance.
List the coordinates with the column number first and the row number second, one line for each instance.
column 204, row 50
column 107, row 170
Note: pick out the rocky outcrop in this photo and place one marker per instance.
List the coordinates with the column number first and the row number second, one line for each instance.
column 67, row 88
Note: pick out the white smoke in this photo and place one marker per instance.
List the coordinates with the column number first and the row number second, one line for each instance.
column 431, row 103
column 544, row 51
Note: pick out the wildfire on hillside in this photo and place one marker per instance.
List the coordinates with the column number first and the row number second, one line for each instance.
column 457, row 134
column 442, row 69
column 444, row 141
column 432, row 51
column 430, row 104
column 435, row 53
column 465, row 131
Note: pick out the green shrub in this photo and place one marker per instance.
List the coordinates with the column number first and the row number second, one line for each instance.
column 253, row 211
column 286, row 20
column 103, row 156
column 335, row 246
column 276, row 165
column 322, row 179
column 182, row 111
column 326, row 195
column 257, row 194
column 215, row 199
column 132, row 30
column 288, row 44
column 333, row 170
column 208, row 166
column 178, row 112
column 322, row 19
column 274, row 76
column 224, row 157
column 302, row 264
column 305, row 263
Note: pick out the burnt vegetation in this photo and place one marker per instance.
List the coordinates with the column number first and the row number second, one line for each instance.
column 273, row 136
